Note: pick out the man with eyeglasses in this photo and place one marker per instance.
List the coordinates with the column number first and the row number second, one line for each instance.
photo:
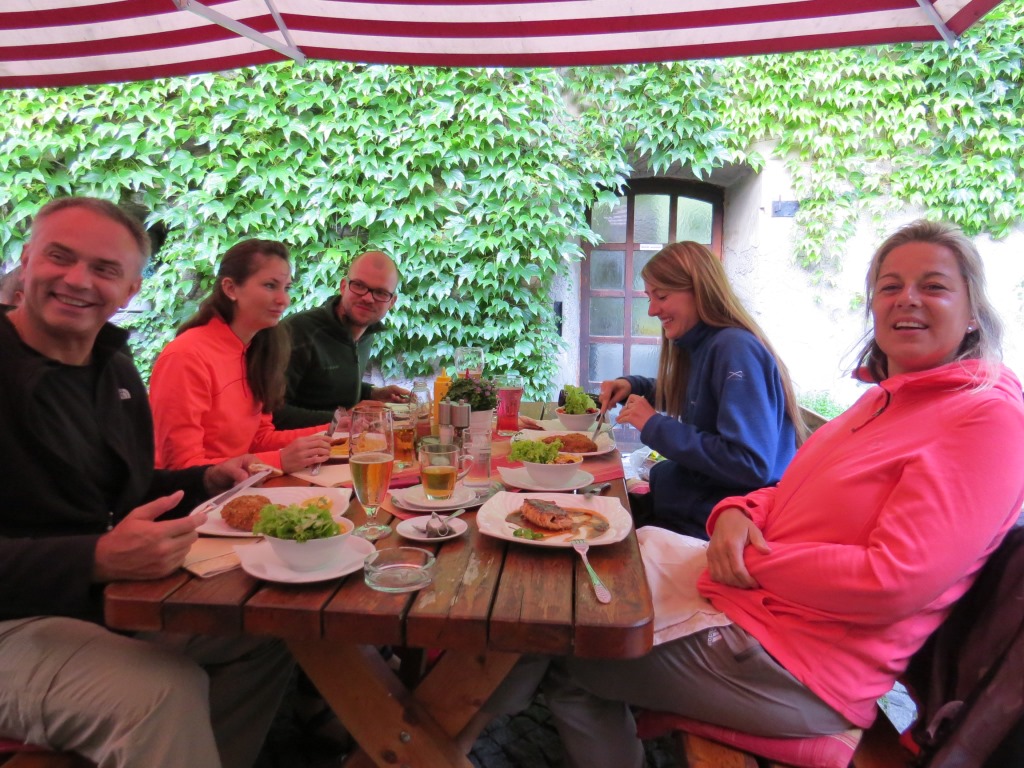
column 331, row 346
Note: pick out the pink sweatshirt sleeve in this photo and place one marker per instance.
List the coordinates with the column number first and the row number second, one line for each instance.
column 756, row 505
column 948, row 509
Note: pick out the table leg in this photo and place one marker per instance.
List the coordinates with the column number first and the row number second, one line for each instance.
column 395, row 726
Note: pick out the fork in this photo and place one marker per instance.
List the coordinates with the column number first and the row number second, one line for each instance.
column 603, row 595
column 330, row 433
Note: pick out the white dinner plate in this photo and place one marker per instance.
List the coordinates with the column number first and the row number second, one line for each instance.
column 518, row 477
column 260, row 561
column 412, row 529
column 490, row 518
column 605, row 441
column 215, row 525
column 415, row 499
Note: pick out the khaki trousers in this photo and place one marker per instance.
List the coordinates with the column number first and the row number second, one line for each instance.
column 160, row 700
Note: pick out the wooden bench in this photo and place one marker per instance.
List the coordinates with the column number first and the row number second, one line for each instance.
column 879, row 748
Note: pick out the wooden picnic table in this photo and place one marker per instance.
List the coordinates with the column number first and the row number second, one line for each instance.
column 490, row 601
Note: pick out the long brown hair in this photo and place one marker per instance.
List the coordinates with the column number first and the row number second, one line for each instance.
column 689, row 266
column 984, row 342
column 267, row 355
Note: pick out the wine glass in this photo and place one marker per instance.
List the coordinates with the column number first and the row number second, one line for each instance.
column 371, row 459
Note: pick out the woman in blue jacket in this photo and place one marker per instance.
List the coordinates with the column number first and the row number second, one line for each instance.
column 722, row 411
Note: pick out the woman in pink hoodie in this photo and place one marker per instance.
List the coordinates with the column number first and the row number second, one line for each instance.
column 836, row 576
column 215, row 385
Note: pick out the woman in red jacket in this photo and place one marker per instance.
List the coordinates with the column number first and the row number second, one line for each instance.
column 215, row 385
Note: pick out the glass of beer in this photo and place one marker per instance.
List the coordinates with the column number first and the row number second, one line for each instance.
column 404, row 416
column 371, row 459
column 510, row 395
column 469, row 362
column 440, row 467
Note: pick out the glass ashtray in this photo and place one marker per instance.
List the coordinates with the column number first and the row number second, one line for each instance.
column 398, row 569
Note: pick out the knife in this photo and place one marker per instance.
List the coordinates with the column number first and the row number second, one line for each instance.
column 218, row 500
column 597, row 425
column 330, row 433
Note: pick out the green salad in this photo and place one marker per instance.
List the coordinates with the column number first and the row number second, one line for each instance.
column 535, row 451
column 299, row 522
column 577, row 401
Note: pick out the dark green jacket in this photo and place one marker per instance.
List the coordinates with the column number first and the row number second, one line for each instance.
column 326, row 367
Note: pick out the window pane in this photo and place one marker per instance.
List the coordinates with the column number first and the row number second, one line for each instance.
column 642, row 324
column 650, row 219
column 607, row 269
column 694, row 221
column 606, row 316
column 640, row 259
column 611, row 224
column 643, row 359
column 605, row 361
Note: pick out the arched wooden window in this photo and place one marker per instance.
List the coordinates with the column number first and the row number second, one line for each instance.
column 617, row 336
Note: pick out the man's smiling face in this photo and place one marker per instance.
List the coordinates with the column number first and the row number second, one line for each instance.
column 80, row 267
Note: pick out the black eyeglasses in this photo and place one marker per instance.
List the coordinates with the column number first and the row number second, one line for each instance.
column 359, row 288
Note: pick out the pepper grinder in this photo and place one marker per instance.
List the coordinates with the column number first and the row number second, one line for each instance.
column 444, row 421
column 460, row 423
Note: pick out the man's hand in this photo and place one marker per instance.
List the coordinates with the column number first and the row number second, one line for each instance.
column 733, row 532
column 390, row 394
column 139, row 547
column 222, row 476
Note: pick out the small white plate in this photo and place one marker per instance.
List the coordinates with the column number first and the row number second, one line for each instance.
column 490, row 519
column 605, row 441
column 414, row 498
column 518, row 477
column 411, row 529
column 260, row 561
column 215, row 525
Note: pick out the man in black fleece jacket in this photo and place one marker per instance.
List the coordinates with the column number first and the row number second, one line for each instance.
column 81, row 506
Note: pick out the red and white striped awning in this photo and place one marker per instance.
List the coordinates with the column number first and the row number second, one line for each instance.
column 73, row 42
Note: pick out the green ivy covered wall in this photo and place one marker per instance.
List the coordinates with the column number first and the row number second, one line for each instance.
column 478, row 181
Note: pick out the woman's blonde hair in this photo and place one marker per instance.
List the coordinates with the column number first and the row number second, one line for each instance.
column 267, row 355
column 984, row 342
column 689, row 266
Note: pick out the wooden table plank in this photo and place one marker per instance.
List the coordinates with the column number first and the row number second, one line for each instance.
column 623, row 628
column 139, row 604
column 453, row 611
column 210, row 606
column 534, row 607
column 290, row 612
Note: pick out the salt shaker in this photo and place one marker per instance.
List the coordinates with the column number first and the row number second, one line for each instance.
column 460, row 421
column 444, row 421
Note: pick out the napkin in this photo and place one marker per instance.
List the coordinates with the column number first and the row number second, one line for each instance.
column 330, row 476
column 333, row 475
column 673, row 562
column 210, row 556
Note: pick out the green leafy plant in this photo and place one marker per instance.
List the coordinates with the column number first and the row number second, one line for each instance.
column 478, row 181
column 481, row 394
